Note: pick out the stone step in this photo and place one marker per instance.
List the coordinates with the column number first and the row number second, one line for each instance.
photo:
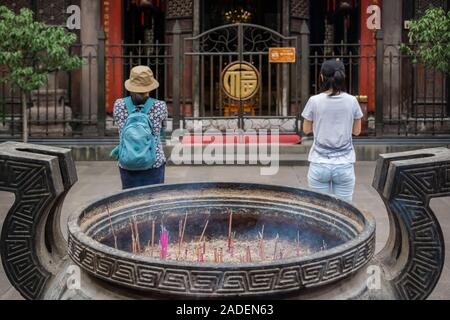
column 366, row 149
column 284, row 160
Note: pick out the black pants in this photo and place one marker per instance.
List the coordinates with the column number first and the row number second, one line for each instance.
column 134, row 179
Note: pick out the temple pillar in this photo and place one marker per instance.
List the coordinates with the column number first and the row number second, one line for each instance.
column 367, row 60
column 299, row 16
column 180, row 25
column 392, row 25
column 90, row 22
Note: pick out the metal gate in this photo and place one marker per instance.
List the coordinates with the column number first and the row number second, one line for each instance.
column 276, row 101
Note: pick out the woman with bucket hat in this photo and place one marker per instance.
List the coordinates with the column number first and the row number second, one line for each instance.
column 149, row 165
column 333, row 116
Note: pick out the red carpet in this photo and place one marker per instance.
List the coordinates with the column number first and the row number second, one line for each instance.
column 247, row 139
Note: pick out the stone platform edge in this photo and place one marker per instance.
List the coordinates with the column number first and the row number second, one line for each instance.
column 367, row 150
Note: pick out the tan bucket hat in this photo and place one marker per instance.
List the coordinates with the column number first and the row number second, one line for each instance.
column 141, row 80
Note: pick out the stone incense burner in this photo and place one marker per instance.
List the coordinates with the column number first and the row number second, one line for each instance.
column 323, row 248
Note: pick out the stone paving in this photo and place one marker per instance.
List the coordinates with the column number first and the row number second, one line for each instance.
column 98, row 179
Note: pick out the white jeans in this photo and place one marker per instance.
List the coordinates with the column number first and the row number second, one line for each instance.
column 337, row 179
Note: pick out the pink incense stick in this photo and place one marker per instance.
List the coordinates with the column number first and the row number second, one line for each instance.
column 230, row 224
column 164, row 243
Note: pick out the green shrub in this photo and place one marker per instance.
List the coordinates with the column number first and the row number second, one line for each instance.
column 30, row 50
column 429, row 40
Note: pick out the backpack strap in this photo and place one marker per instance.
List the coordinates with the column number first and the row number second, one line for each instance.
column 148, row 105
column 132, row 108
column 130, row 105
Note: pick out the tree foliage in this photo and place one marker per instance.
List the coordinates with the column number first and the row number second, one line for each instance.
column 30, row 50
column 429, row 40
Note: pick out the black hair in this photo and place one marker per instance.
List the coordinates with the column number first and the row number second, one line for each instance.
column 336, row 83
column 139, row 98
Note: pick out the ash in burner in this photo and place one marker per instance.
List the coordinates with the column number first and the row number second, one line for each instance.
column 225, row 238
column 242, row 251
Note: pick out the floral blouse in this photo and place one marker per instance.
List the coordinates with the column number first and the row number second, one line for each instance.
column 157, row 114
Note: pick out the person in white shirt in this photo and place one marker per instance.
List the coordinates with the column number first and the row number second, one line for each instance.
column 333, row 116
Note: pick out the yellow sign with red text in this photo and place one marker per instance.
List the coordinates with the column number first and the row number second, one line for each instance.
column 282, row 55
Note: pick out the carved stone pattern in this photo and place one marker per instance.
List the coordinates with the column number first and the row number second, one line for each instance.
column 422, row 5
column 32, row 194
column 52, row 12
column 179, row 8
column 196, row 282
column 16, row 5
column 420, row 276
column 300, row 9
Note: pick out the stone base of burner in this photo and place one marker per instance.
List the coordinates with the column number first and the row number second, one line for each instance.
column 66, row 287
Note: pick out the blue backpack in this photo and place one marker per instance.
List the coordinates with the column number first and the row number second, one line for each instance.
column 137, row 149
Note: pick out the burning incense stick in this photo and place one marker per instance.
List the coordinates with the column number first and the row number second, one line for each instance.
column 298, row 243
column 184, row 229
column 153, row 237
column 111, row 226
column 133, row 244
column 138, row 242
column 204, row 229
column 249, row 254
column 229, row 230
column 197, row 250
column 164, row 242
column 275, row 249
column 261, row 243
column 180, row 229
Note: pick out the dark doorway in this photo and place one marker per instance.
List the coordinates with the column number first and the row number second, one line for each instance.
column 143, row 37
column 334, row 21
column 143, row 22
column 220, row 12
column 335, row 33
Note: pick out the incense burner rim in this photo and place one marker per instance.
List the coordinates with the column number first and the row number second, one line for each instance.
column 102, row 261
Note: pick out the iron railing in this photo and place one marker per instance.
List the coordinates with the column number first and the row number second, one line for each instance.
column 278, row 96
column 404, row 99
column 415, row 100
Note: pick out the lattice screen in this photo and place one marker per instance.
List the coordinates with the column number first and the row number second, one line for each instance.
column 179, row 8
column 52, row 11
column 422, row 5
column 16, row 5
column 300, row 9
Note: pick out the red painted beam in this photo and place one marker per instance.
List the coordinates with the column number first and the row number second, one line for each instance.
column 367, row 64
